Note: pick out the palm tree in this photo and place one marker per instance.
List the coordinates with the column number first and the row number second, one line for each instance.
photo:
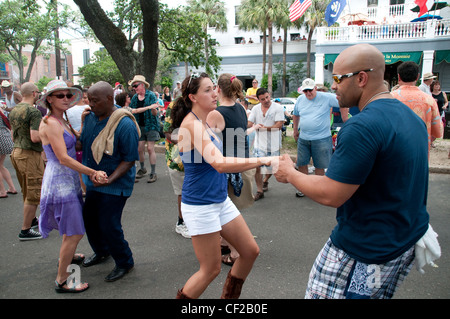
column 250, row 19
column 283, row 22
column 213, row 14
column 314, row 17
column 263, row 13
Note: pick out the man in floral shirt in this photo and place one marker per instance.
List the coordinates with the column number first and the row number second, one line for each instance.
column 176, row 168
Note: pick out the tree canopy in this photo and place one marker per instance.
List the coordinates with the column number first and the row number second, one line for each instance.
column 27, row 23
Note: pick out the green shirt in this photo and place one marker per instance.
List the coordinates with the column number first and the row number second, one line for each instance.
column 24, row 118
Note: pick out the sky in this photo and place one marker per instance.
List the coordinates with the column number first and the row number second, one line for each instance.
column 106, row 5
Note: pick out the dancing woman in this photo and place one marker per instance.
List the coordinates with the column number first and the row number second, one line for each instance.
column 207, row 210
column 61, row 197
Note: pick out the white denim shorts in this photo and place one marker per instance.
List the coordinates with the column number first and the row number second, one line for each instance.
column 206, row 219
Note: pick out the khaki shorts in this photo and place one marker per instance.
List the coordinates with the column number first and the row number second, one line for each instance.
column 29, row 168
column 177, row 178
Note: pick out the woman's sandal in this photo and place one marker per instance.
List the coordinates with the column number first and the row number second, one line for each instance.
column 228, row 260
column 61, row 289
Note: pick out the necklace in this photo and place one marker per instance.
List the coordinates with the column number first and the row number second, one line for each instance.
column 370, row 100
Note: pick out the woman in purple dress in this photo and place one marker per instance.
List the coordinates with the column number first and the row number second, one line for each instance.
column 61, row 196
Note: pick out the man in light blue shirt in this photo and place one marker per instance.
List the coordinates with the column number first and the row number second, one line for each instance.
column 312, row 111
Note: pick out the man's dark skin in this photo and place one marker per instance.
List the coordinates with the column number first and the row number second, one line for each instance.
column 101, row 102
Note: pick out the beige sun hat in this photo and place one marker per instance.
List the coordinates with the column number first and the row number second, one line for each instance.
column 139, row 78
column 59, row 85
column 429, row 76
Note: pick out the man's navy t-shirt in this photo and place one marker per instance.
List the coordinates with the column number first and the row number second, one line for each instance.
column 384, row 149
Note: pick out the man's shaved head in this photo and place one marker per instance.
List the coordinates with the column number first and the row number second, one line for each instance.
column 28, row 88
column 101, row 99
column 102, row 87
column 361, row 57
column 358, row 89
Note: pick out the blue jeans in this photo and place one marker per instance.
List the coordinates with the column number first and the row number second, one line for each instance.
column 320, row 151
column 102, row 215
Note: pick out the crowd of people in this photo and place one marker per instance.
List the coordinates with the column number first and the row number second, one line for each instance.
column 218, row 143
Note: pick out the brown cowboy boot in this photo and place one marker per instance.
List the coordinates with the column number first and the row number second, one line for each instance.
column 232, row 287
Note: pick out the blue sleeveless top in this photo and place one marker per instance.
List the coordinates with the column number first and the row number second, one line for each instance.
column 202, row 185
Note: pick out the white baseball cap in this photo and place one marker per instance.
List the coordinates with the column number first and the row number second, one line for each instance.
column 308, row 84
column 6, row 84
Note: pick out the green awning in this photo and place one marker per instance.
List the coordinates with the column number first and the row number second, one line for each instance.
column 442, row 55
column 329, row 58
column 394, row 57
column 389, row 57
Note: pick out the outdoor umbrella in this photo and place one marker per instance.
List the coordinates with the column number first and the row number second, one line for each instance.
column 355, row 17
column 435, row 6
column 425, row 17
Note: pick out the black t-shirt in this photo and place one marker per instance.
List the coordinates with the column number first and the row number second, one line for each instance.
column 234, row 136
column 440, row 101
column 141, row 115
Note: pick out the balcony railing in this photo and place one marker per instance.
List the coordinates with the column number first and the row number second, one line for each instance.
column 412, row 30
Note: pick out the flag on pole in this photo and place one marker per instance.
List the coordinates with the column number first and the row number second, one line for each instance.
column 297, row 9
column 424, row 5
column 334, row 10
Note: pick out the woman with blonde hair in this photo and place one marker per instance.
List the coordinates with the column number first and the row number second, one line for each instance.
column 207, row 210
column 61, row 196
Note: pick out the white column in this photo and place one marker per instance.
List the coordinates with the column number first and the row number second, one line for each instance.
column 319, row 73
column 427, row 64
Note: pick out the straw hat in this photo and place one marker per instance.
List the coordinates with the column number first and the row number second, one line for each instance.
column 139, row 78
column 428, row 76
column 59, row 85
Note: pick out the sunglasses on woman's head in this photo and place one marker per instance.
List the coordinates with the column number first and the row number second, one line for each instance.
column 193, row 76
column 61, row 96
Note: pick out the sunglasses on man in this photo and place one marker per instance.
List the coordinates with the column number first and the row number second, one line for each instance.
column 338, row 78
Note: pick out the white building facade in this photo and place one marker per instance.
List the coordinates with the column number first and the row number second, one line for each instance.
column 425, row 42
column 389, row 29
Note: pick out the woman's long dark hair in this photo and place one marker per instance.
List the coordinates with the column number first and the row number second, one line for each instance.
column 183, row 104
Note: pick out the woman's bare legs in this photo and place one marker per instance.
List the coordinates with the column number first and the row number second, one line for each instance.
column 207, row 250
column 5, row 175
column 239, row 236
column 66, row 253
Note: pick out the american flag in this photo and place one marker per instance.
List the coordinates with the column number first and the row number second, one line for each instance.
column 297, row 9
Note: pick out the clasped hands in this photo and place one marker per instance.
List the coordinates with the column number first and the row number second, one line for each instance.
column 283, row 168
column 99, row 178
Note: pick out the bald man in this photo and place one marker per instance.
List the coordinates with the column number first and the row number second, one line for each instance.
column 102, row 210
column 26, row 157
column 377, row 180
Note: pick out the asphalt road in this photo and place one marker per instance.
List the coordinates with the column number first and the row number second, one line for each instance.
column 290, row 231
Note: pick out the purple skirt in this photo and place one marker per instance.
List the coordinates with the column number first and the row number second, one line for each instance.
column 61, row 201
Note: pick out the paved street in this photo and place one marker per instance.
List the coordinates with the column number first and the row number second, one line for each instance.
column 289, row 230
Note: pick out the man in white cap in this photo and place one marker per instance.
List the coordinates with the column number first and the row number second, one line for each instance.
column 313, row 110
column 426, row 82
column 177, row 90
column 11, row 98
